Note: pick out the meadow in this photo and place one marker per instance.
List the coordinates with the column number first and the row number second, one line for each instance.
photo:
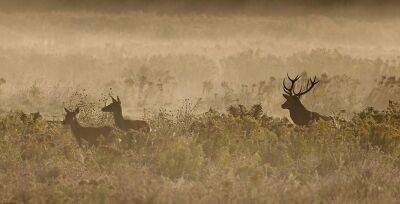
column 181, row 73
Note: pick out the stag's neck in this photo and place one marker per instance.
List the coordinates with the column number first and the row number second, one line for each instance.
column 118, row 119
column 299, row 114
column 298, row 110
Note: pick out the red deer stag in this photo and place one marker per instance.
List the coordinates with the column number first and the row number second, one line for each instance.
column 90, row 134
column 298, row 113
column 125, row 124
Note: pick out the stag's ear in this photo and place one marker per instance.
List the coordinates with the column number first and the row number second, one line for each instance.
column 118, row 100
column 286, row 96
column 77, row 110
column 66, row 110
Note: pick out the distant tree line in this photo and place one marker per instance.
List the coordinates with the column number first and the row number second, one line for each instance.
column 200, row 6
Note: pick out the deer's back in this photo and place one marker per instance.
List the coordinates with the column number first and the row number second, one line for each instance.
column 317, row 116
column 91, row 134
column 139, row 125
column 308, row 117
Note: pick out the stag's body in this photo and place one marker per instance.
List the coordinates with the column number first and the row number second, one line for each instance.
column 298, row 113
column 125, row 124
column 90, row 134
column 302, row 116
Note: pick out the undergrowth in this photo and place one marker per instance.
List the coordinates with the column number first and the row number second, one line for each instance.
column 206, row 158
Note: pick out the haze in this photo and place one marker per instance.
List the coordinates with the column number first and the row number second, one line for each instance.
column 155, row 55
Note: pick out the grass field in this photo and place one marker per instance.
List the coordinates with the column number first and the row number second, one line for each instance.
column 180, row 73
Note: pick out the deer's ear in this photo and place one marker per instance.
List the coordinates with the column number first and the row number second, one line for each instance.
column 66, row 110
column 77, row 110
column 118, row 100
column 113, row 99
column 286, row 96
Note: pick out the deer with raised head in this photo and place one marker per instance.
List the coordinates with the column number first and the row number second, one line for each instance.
column 90, row 134
column 298, row 113
column 124, row 124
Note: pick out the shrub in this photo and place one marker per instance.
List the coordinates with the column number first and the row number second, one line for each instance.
column 181, row 158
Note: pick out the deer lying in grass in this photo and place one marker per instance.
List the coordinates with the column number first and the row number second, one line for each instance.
column 240, row 110
column 31, row 118
column 90, row 134
column 298, row 113
column 125, row 124
column 34, row 118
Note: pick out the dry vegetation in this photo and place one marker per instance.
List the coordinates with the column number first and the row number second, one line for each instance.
column 181, row 73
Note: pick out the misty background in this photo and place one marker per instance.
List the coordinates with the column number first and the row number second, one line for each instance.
column 161, row 54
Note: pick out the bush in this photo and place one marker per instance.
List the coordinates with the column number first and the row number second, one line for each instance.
column 181, row 158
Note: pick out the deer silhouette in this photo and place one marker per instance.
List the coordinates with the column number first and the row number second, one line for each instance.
column 125, row 124
column 298, row 113
column 90, row 134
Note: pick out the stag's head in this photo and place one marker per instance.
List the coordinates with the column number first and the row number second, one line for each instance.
column 70, row 116
column 115, row 106
column 293, row 98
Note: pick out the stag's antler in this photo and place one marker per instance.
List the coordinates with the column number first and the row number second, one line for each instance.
column 310, row 85
column 290, row 90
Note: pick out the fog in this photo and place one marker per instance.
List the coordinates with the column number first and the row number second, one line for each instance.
column 154, row 59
